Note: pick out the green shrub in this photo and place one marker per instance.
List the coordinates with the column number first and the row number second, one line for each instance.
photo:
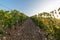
column 1, row 31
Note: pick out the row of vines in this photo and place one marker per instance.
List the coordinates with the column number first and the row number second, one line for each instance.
column 10, row 18
column 49, row 23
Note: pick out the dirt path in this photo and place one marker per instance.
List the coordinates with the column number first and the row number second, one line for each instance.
column 27, row 31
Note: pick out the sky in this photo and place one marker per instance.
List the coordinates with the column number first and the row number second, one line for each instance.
column 30, row 7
